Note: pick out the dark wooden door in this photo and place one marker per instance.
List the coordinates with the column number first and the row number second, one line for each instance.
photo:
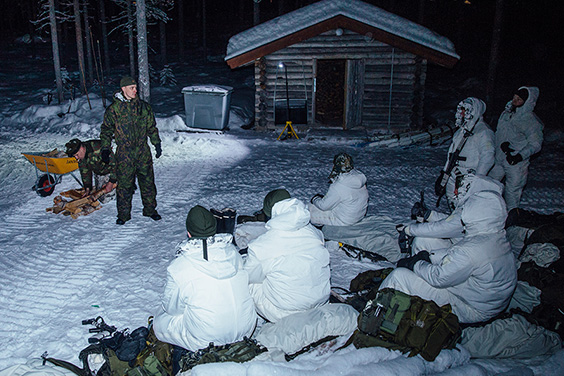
column 330, row 92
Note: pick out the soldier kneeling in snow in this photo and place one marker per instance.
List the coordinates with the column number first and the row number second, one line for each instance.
column 206, row 297
column 476, row 276
column 88, row 155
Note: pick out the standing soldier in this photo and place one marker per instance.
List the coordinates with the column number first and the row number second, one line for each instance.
column 130, row 120
column 472, row 149
column 88, row 155
column 518, row 136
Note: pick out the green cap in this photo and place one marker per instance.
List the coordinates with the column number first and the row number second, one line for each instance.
column 272, row 198
column 126, row 81
column 200, row 223
column 73, row 146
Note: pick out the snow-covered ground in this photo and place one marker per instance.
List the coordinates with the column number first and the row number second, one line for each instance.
column 56, row 271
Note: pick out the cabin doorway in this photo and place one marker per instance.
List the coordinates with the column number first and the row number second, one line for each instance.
column 330, row 92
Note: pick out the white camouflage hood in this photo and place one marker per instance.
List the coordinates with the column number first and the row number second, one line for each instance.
column 288, row 215
column 474, row 110
column 484, row 213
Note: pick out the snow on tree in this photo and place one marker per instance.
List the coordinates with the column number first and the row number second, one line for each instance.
column 144, row 84
column 166, row 77
column 48, row 16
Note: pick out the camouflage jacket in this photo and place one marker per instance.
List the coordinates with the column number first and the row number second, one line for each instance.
column 129, row 122
column 92, row 163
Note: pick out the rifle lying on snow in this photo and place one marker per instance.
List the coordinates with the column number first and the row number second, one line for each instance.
column 359, row 253
column 453, row 158
column 100, row 327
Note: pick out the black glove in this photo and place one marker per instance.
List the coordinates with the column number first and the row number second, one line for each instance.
column 514, row 159
column 420, row 212
column 159, row 150
column 106, row 155
column 410, row 262
column 315, row 196
column 440, row 187
column 505, row 147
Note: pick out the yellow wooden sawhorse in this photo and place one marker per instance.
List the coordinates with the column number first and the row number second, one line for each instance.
column 291, row 131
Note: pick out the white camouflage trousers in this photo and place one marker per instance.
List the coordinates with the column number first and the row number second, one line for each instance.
column 515, row 180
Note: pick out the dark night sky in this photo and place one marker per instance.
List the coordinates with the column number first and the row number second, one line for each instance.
column 530, row 51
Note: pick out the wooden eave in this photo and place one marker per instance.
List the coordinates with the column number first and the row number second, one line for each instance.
column 344, row 22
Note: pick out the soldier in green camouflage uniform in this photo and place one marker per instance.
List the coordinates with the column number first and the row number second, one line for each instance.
column 88, row 155
column 130, row 121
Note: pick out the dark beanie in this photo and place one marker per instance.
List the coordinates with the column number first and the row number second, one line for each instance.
column 126, row 81
column 523, row 94
column 200, row 223
column 272, row 198
column 73, row 146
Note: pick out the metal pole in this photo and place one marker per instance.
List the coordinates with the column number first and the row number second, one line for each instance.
column 287, row 95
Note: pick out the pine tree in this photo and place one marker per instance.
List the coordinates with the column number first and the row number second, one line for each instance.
column 166, row 77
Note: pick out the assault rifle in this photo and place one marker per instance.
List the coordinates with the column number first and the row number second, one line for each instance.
column 453, row 158
column 102, row 329
column 359, row 253
column 419, row 209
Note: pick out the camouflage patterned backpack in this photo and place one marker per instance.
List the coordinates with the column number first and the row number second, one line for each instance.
column 240, row 351
column 407, row 323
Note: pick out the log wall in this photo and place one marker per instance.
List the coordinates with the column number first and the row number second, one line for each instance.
column 384, row 85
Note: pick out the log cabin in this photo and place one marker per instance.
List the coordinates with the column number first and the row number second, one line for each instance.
column 342, row 64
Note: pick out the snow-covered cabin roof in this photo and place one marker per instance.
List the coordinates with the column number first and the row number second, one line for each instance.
column 326, row 15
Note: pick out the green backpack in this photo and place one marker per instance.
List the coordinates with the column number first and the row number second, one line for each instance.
column 407, row 323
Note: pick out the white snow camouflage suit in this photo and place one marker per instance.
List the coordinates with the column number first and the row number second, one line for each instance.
column 478, row 154
column 524, row 132
column 206, row 300
column 442, row 230
column 344, row 204
column 288, row 265
column 478, row 275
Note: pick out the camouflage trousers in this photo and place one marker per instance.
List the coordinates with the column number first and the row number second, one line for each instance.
column 127, row 172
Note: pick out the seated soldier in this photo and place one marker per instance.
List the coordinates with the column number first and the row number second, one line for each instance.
column 476, row 276
column 206, row 297
column 288, row 265
column 251, row 227
column 88, row 155
column 436, row 230
column 346, row 200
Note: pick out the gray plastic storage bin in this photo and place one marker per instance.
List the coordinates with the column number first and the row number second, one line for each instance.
column 207, row 106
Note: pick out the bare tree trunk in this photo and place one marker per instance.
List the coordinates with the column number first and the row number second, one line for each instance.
column 181, row 33
column 256, row 13
column 162, row 32
column 55, row 46
column 104, row 35
column 142, row 52
column 130, row 38
column 204, row 31
column 79, row 45
column 494, row 52
column 89, row 60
